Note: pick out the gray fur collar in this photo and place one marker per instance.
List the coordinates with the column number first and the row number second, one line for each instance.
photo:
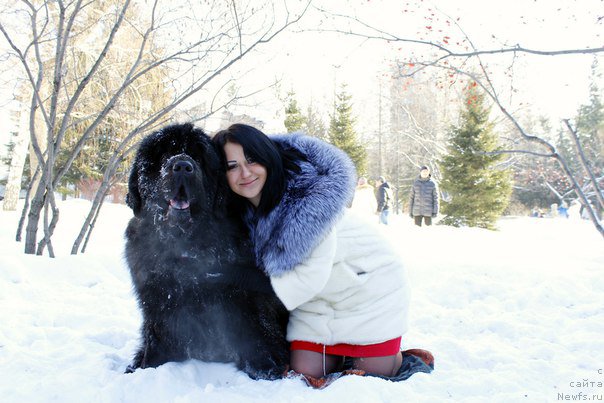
column 313, row 202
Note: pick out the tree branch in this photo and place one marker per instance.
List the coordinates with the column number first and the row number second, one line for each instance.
column 585, row 163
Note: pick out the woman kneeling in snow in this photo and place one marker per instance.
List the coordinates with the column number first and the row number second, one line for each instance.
column 343, row 284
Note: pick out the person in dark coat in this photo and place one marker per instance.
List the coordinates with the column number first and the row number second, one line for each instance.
column 384, row 199
column 423, row 201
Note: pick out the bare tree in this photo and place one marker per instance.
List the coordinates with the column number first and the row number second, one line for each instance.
column 195, row 44
column 586, row 164
column 469, row 63
column 417, row 123
column 17, row 162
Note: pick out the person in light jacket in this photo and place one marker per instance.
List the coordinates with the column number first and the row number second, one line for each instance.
column 364, row 202
column 344, row 285
column 423, row 201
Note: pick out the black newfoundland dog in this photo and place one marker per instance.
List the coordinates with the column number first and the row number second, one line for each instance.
column 199, row 290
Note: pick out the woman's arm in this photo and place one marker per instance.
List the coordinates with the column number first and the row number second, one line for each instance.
column 307, row 279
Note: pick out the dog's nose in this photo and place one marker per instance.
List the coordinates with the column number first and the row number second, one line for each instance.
column 182, row 168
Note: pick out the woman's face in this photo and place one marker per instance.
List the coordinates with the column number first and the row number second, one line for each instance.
column 245, row 177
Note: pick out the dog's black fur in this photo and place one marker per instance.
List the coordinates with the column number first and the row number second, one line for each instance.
column 199, row 290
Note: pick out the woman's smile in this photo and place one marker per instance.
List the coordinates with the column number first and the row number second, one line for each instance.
column 245, row 177
column 249, row 183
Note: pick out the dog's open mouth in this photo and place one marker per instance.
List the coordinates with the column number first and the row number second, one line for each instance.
column 180, row 201
column 179, row 204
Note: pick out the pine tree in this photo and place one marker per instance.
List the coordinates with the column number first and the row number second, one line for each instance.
column 342, row 133
column 314, row 124
column 566, row 148
column 478, row 189
column 590, row 124
column 294, row 120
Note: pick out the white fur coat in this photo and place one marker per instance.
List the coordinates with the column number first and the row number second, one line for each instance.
column 352, row 289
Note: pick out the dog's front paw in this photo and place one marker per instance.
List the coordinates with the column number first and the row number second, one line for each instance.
column 267, row 370
column 130, row 369
column 137, row 363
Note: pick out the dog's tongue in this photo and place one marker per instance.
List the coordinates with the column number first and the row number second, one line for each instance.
column 179, row 204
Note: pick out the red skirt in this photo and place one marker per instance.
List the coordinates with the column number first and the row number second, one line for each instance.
column 389, row 347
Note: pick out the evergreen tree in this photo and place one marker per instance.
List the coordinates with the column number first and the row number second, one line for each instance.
column 533, row 176
column 294, row 120
column 478, row 190
column 590, row 124
column 7, row 159
column 314, row 124
column 567, row 149
column 342, row 133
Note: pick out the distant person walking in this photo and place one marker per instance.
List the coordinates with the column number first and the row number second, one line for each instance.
column 384, row 199
column 563, row 210
column 364, row 198
column 423, row 201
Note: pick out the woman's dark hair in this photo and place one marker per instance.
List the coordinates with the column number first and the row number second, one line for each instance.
column 258, row 147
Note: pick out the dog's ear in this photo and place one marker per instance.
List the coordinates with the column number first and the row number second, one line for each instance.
column 133, row 198
column 210, row 161
column 214, row 170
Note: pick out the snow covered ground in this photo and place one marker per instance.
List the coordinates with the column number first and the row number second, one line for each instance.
column 514, row 315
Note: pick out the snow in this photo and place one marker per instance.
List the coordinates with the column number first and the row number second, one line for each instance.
column 511, row 315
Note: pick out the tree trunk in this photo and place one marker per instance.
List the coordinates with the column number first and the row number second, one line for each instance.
column 33, row 218
column 25, row 206
column 94, row 210
column 91, row 227
column 49, row 229
column 19, row 155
